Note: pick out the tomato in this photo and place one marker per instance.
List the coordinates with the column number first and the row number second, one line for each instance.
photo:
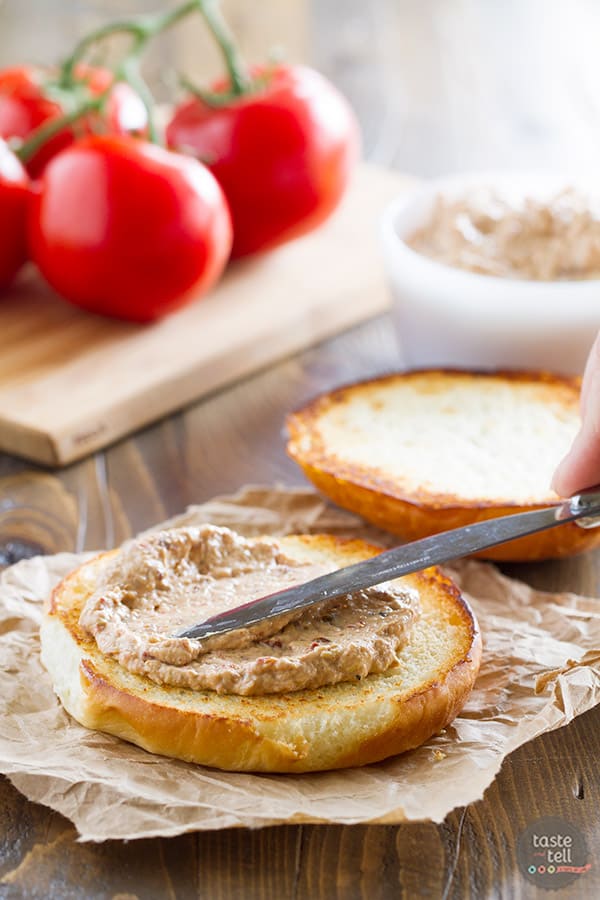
column 14, row 198
column 283, row 153
column 124, row 228
column 30, row 97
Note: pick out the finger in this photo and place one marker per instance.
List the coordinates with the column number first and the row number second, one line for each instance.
column 579, row 469
column 581, row 466
column 590, row 377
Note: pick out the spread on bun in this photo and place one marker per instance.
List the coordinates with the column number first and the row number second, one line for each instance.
column 350, row 681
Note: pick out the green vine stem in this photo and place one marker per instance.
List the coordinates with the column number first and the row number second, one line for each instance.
column 141, row 30
column 130, row 71
column 211, row 12
column 50, row 129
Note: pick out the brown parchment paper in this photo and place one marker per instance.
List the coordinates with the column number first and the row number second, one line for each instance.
column 541, row 668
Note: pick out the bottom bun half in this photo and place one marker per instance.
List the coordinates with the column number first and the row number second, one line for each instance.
column 337, row 726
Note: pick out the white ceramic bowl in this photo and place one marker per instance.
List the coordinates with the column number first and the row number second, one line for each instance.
column 450, row 317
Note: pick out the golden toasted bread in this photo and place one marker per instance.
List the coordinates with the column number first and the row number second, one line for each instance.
column 346, row 724
column 421, row 452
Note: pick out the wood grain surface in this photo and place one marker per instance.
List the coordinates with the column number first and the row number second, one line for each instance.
column 119, row 376
column 438, row 84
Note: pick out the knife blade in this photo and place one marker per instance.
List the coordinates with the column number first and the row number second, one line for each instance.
column 583, row 508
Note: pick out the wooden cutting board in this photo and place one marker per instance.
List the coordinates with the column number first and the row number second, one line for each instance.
column 71, row 382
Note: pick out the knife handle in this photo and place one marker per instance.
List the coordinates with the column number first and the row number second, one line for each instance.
column 589, row 499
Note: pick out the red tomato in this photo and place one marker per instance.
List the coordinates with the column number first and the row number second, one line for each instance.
column 123, row 228
column 283, row 154
column 14, row 198
column 29, row 97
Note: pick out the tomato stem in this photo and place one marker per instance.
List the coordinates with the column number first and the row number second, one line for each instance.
column 67, row 72
column 211, row 12
column 46, row 132
column 130, row 71
column 141, row 31
column 213, row 99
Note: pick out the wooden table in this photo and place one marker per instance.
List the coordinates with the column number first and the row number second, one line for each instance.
column 402, row 66
column 233, row 438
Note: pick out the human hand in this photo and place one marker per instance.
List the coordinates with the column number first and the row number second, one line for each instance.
column 581, row 466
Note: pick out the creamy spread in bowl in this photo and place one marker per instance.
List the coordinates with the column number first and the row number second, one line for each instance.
column 554, row 238
column 160, row 584
column 477, row 304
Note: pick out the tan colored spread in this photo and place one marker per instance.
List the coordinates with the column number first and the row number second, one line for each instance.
column 539, row 240
column 161, row 584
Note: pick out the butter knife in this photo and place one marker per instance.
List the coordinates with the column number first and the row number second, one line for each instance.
column 583, row 508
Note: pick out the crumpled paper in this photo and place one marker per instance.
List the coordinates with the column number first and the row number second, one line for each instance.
column 541, row 668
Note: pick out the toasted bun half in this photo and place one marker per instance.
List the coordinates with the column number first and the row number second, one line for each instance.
column 346, row 724
column 421, row 452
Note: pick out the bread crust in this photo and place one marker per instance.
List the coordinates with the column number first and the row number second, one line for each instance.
column 416, row 512
column 333, row 727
